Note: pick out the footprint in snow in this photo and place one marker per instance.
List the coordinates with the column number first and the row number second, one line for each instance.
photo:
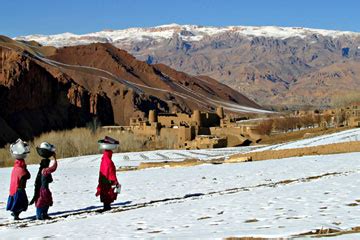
column 352, row 204
column 214, row 224
column 253, row 220
column 264, row 227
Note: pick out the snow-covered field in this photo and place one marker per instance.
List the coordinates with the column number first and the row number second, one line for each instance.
column 267, row 198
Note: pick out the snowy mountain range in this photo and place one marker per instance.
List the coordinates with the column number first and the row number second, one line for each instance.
column 274, row 66
column 190, row 33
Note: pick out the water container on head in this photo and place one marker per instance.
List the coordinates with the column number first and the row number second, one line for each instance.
column 19, row 149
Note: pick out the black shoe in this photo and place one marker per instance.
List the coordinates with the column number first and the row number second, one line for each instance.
column 16, row 216
column 102, row 210
column 40, row 217
column 106, row 208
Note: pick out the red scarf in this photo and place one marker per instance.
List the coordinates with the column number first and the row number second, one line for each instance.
column 17, row 173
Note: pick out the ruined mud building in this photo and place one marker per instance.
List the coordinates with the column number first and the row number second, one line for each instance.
column 196, row 130
column 344, row 116
column 352, row 114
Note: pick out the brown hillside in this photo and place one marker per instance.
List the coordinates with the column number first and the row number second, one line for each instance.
column 74, row 84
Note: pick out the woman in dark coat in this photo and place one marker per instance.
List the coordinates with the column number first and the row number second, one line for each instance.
column 42, row 194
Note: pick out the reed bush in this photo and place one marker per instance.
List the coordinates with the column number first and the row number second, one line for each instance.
column 83, row 141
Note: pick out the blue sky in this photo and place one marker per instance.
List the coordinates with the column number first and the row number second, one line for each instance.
column 82, row 16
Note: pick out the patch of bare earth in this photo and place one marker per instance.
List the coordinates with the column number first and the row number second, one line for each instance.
column 252, row 238
column 329, row 232
column 169, row 164
column 317, row 233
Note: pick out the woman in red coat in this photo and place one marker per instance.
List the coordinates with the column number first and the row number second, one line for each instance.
column 18, row 201
column 108, row 186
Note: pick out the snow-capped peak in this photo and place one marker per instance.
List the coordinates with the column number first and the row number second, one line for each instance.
column 189, row 33
column 171, row 25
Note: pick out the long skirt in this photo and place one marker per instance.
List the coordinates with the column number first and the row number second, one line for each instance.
column 45, row 199
column 19, row 202
column 107, row 194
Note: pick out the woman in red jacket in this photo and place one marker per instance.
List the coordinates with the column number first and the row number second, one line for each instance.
column 18, row 201
column 108, row 186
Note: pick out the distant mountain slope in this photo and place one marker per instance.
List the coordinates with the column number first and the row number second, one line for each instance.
column 44, row 88
column 268, row 64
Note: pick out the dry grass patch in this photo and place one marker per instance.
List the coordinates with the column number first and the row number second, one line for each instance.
column 169, row 164
column 82, row 141
column 4, row 156
column 184, row 163
column 329, row 232
column 238, row 159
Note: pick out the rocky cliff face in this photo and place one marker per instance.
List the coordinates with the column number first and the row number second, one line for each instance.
column 271, row 65
column 43, row 89
column 33, row 100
